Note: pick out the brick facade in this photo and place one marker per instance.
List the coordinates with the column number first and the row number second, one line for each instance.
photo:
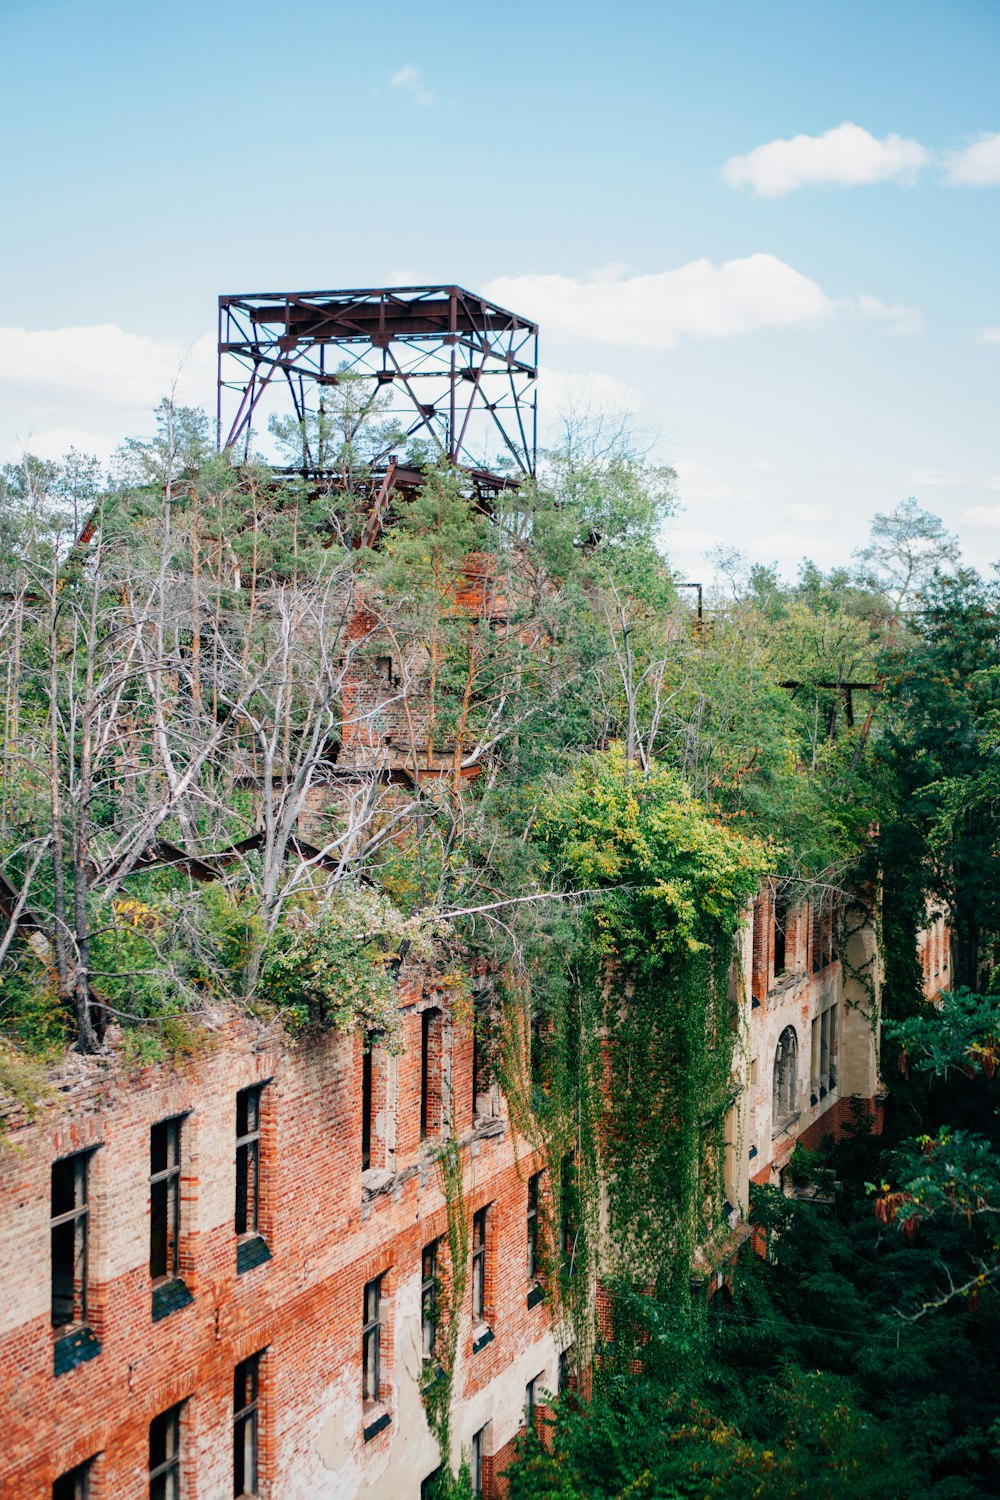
column 329, row 1228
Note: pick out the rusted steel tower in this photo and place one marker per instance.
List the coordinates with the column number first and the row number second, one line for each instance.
column 454, row 370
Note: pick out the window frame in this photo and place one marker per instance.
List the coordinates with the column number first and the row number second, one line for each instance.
column 476, row 1464
column 169, row 1177
column 78, row 1219
column 480, row 1230
column 249, row 1183
column 429, row 1281
column 246, row 1418
column 78, row 1477
column 533, row 1217
column 367, row 1106
column 168, row 1469
column 371, row 1342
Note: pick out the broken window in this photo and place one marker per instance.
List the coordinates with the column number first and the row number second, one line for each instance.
column 568, row 1212
column 479, row 1266
column 428, row 1298
column 484, row 1047
column 75, row 1485
column 784, row 1092
column 534, row 1199
column 476, row 1466
column 780, row 933
column 246, row 1381
column 164, row 1198
column 165, row 1455
column 248, row 1160
column 70, row 1226
column 431, row 1030
column 530, row 1401
column 366, row 1109
column 371, row 1342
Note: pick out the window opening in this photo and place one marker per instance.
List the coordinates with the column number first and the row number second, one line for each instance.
column 70, row 1229
column 568, row 1213
column 248, row 1160
column 164, row 1198
column 780, row 933
column 371, row 1339
column 246, row 1391
column 479, row 1266
column 428, row 1298
column 476, row 1466
column 567, row 1371
column 75, row 1485
column 783, row 1100
column 534, row 1187
column 165, row 1455
column 366, row 1109
column 430, row 1072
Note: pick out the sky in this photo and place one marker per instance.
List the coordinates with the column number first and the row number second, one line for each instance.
column 769, row 232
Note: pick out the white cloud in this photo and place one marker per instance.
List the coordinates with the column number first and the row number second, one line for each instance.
column 984, row 516
column 90, row 387
column 975, row 165
column 846, row 156
column 411, row 80
column 896, row 318
column 697, row 300
column 989, row 335
column 104, row 361
column 810, row 515
column 943, row 478
column 697, row 484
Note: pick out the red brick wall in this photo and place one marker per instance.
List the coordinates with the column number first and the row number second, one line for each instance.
column 328, row 1237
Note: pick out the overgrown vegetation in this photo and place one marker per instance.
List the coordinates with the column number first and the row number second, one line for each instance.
column 588, row 785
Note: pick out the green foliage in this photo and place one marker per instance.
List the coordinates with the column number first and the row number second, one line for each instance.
column 331, row 962
column 672, row 874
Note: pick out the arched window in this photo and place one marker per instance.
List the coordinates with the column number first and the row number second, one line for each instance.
column 783, row 1099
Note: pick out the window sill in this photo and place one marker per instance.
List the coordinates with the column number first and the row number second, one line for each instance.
column 251, row 1252
column 536, row 1294
column 377, row 1424
column 169, row 1296
column 74, row 1348
column 482, row 1338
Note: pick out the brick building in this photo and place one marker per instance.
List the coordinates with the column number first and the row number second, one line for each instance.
column 223, row 1271
column 219, row 1275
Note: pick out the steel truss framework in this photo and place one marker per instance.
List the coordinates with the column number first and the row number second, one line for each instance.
column 460, row 372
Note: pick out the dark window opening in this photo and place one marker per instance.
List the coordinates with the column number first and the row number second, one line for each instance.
column 164, row 1198
column 780, row 933
column 366, row 1109
column 567, row 1372
column 248, row 1160
column 165, row 1455
column 371, row 1340
column 568, row 1213
column 484, row 1048
column 537, row 1049
column 530, row 1401
column 479, row 1266
column 476, row 1466
column 784, row 1088
column 534, row 1197
column 75, row 1485
column 246, row 1380
column 70, row 1225
column 428, row 1299
column 430, row 1072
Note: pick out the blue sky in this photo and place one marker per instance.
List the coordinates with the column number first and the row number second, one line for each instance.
column 813, row 339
